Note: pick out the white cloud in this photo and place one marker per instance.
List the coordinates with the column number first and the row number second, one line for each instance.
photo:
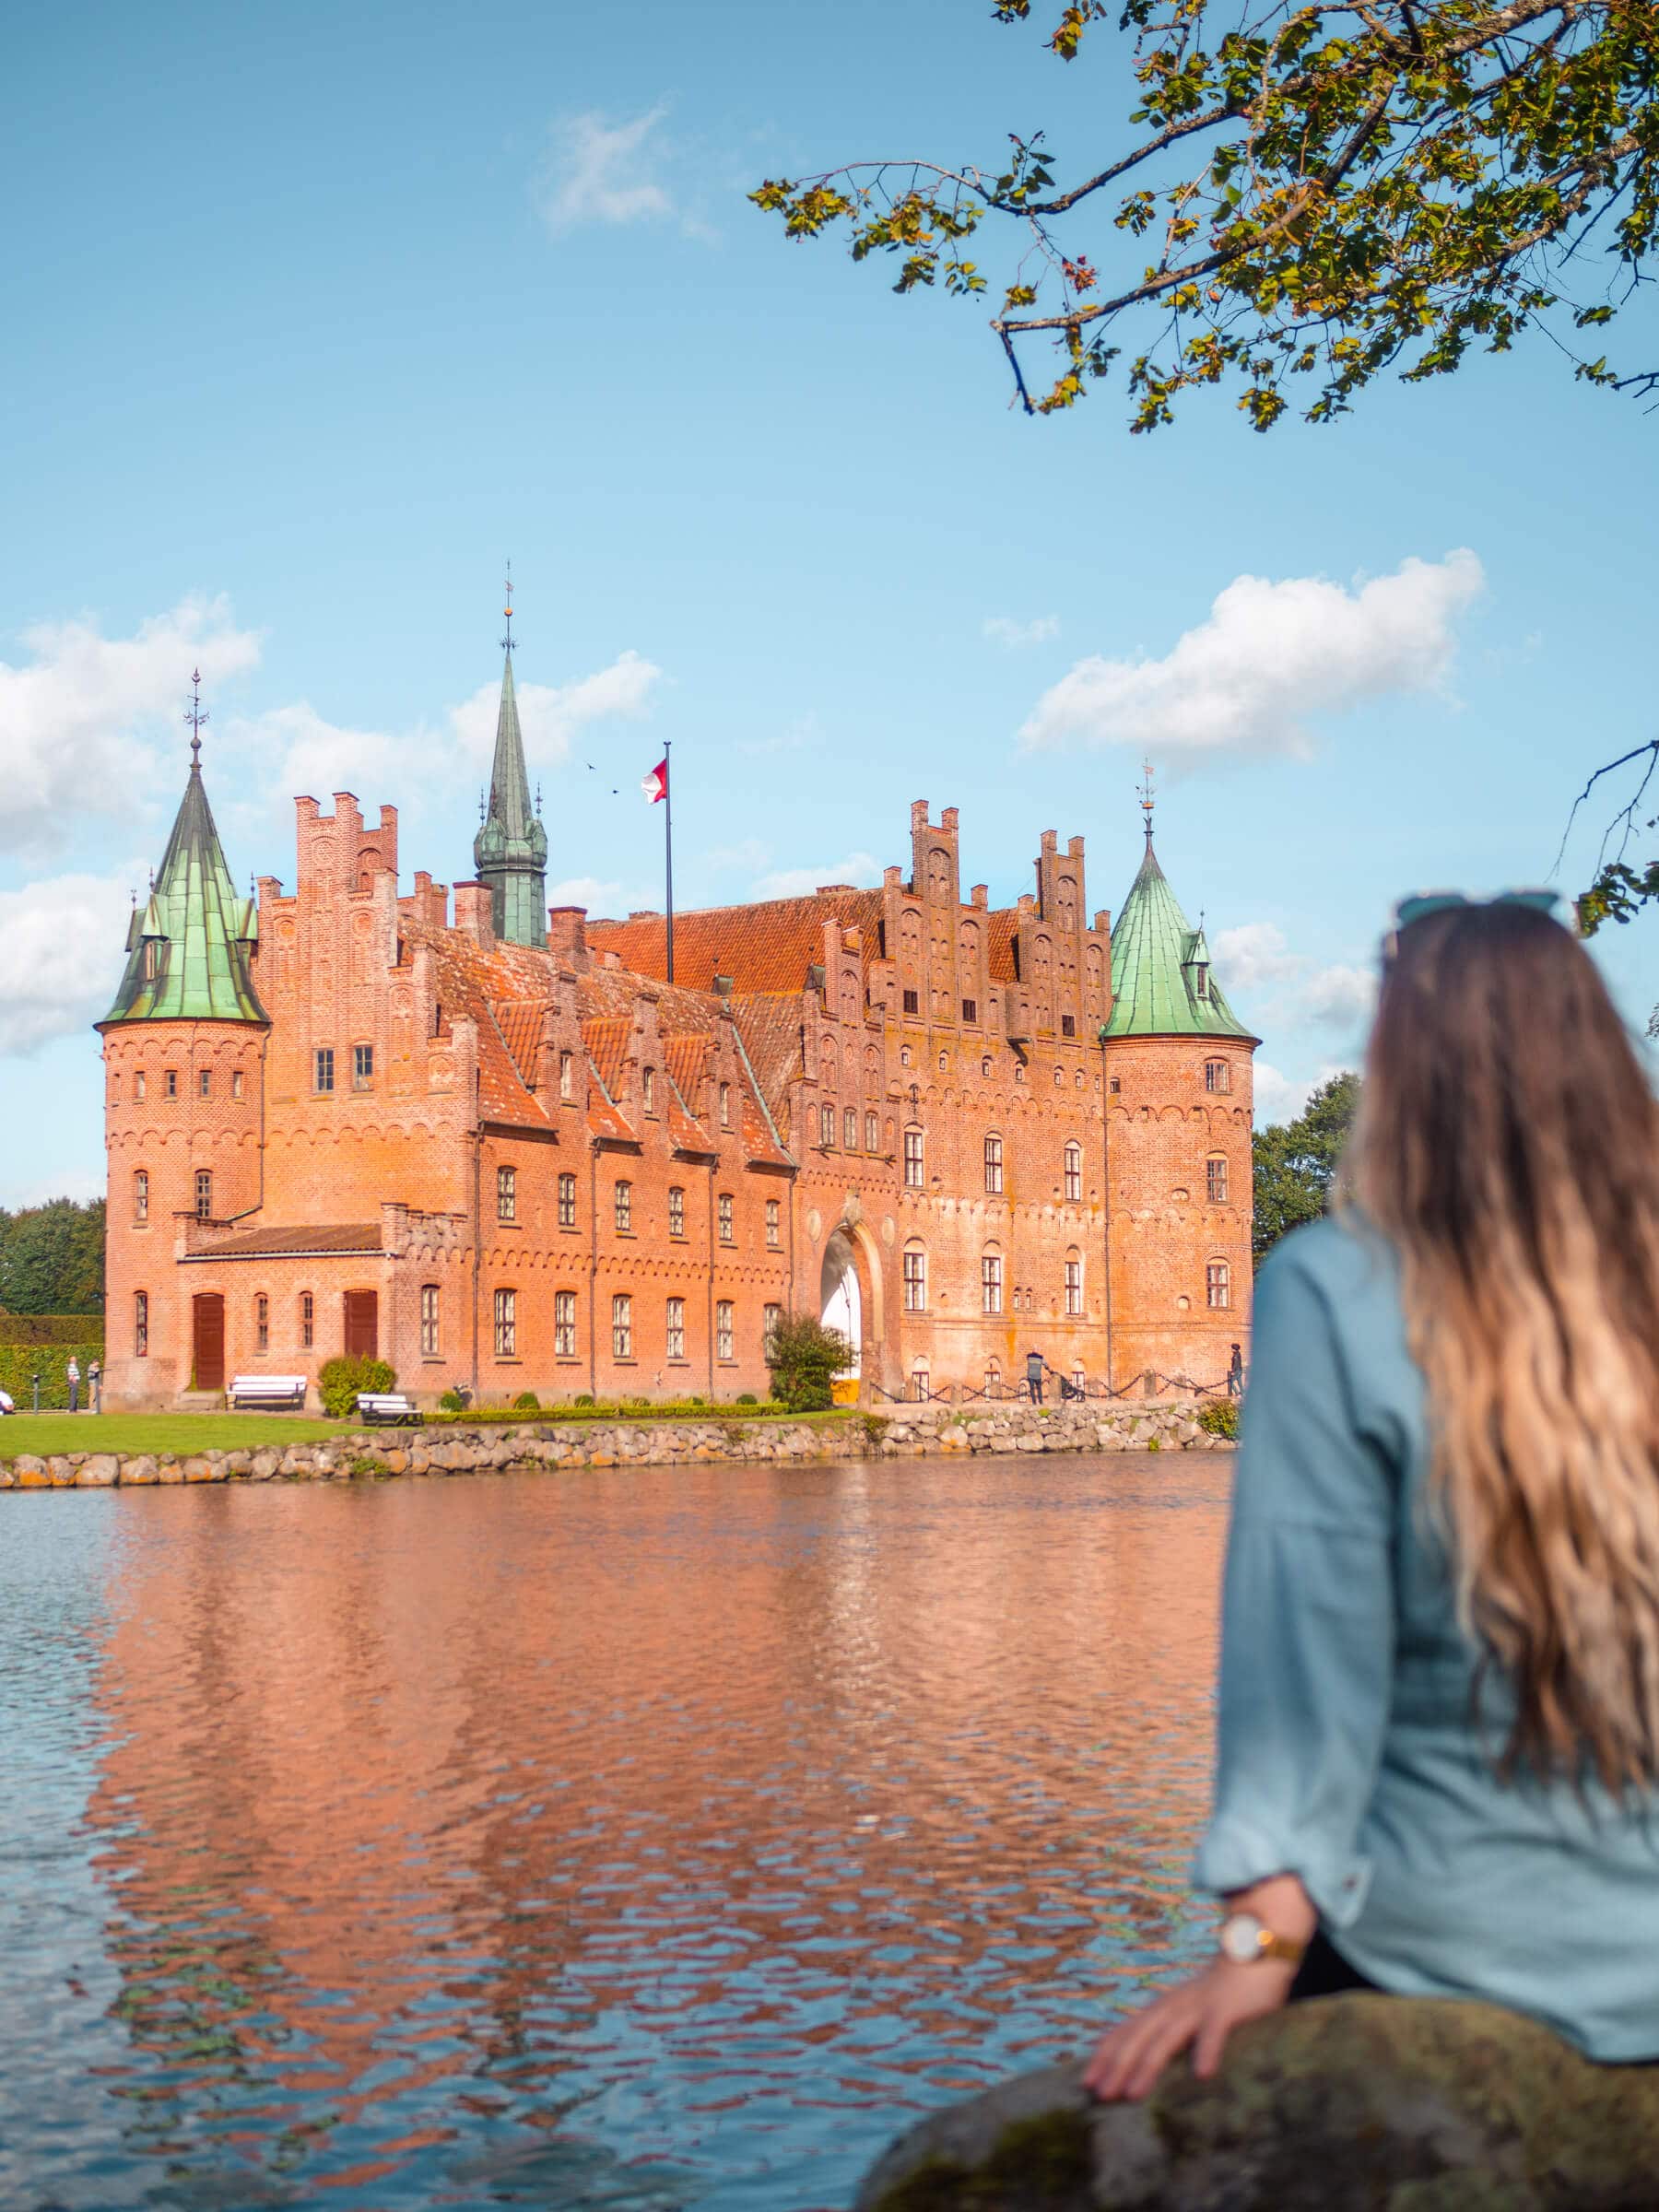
column 79, row 1184
column 1340, row 999
column 599, row 171
column 65, row 940
column 80, row 719
column 1255, row 955
column 588, row 891
column 1277, row 1097
column 1270, row 655
column 800, row 883
column 1007, row 631
column 748, row 854
column 1255, row 958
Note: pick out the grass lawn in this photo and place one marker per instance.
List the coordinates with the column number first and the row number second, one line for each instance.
column 157, row 1432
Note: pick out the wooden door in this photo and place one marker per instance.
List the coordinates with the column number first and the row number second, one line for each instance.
column 208, row 1341
column 362, row 1324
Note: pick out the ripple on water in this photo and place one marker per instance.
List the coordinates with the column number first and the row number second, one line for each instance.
column 645, row 1841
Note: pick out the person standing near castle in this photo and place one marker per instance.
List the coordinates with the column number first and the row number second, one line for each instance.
column 72, row 1375
column 1034, row 1371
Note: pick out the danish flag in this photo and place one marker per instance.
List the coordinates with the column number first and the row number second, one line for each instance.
column 656, row 785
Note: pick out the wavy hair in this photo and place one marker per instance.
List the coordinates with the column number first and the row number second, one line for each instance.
column 1507, row 1146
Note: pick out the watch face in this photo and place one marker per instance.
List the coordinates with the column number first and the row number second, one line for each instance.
column 1241, row 1938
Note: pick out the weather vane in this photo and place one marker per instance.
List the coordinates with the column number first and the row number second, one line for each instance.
column 1147, row 797
column 195, row 718
column 507, row 641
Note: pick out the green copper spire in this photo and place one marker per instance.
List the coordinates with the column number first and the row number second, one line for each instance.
column 188, row 948
column 510, row 850
column 1163, row 982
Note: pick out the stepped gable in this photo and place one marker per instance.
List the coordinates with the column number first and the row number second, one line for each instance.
column 766, row 947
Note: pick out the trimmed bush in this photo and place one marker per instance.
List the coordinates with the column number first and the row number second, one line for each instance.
column 1219, row 1417
column 586, row 1398
column 341, row 1379
column 69, row 1331
column 526, row 1402
column 747, row 1397
column 452, row 1402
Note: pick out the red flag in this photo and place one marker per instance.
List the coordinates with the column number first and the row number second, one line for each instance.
column 656, row 785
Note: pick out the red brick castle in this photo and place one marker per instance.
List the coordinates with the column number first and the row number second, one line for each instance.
column 494, row 1145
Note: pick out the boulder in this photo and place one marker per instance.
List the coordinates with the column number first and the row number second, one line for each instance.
column 97, row 1471
column 1396, row 2104
column 30, row 1473
column 263, row 1466
column 134, row 1473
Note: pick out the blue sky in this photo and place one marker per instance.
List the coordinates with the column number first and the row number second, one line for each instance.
column 315, row 316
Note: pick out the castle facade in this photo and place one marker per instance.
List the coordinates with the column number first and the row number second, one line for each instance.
column 497, row 1146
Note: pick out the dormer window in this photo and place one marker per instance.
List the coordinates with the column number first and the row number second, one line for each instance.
column 1200, row 979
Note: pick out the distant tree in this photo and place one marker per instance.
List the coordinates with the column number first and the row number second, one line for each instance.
column 1314, row 191
column 805, row 1357
column 51, row 1258
column 1296, row 1162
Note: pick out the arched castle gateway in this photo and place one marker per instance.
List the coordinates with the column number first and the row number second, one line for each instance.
column 492, row 1143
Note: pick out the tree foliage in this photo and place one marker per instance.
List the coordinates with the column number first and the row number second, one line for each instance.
column 805, row 1357
column 51, row 1258
column 1318, row 191
column 1296, row 1162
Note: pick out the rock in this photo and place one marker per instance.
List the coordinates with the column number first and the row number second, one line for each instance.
column 236, row 1465
column 30, row 1473
column 7, row 1479
column 137, row 1472
column 1393, row 2104
column 97, row 1471
column 263, row 1465
column 169, row 1470
column 60, row 1469
column 201, row 1469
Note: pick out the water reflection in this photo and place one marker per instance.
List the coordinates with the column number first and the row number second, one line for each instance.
column 624, row 1840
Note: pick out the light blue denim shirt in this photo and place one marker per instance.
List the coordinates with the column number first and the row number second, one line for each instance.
column 1348, row 1754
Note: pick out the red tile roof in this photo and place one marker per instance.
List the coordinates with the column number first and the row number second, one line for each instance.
column 768, row 947
column 251, row 1243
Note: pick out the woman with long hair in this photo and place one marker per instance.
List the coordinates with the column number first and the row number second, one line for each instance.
column 1438, row 1725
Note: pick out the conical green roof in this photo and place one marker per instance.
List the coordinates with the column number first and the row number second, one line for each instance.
column 187, row 950
column 1158, row 964
column 510, row 850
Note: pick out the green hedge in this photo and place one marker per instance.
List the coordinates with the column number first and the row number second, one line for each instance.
column 71, row 1331
column 19, row 1362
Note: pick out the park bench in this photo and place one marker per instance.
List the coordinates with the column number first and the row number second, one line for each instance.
column 265, row 1390
column 375, row 1406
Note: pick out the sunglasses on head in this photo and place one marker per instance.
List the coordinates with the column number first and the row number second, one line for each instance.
column 1421, row 904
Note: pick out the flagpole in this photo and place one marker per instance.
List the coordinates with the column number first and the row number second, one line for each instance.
column 668, row 839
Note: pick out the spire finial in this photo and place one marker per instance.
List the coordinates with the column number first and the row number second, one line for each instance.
column 507, row 641
column 1147, row 796
column 195, row 718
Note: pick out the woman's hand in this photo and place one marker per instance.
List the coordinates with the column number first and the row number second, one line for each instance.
column 1203, row 2011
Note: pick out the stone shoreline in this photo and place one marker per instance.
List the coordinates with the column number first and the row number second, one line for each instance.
column 916, row 1432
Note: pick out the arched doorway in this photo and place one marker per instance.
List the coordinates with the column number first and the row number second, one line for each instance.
column 841, row 1299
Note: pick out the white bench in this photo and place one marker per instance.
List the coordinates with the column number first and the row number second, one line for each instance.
column 265, row 1390
column 374, row 1406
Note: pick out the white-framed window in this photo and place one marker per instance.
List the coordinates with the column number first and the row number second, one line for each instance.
column 622, row 1203
column 722, row 1214
column 564, row 1324
column 826, row 1126
column 262, row 1323
column 774, row 1224
column 725, row 1105
column 141, row 1196
column 623, row 1325
column 1214, row 1179
column 506, row 1193
column 203, row 1194
column 1218, row 1285
column 430, row 1341
column 677, row 1210
column 915, row 1279
column 308, row 1320
column 362, row 1067
column 914, row 1161
column 203, row 1083
column 1073, row 1169
column 170, row 1080
column 722, row 1329
column 322, row 1068
column 1217, row 1075
column 506, row 1325
column 567, row 1075
column 850, row 1128
column 236, row 1082
column 990, row 1282
column 141, row 1324
column 872, row 1133
column 676, row 1328
column 993, row 1167
column 1074, row 1285
column 567, row 1201
column 138, row 1082
column 648, row 1090
column 770, row 1318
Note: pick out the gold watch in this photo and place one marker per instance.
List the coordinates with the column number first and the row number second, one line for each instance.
column 1245, row 1939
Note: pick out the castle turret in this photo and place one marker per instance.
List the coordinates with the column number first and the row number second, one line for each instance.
column 183, row 1055
column 510, row 850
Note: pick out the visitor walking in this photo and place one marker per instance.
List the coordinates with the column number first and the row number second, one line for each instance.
column 72, row 1373
column 1034, row 1367
column 1235, row 1374
column 1440, row 1664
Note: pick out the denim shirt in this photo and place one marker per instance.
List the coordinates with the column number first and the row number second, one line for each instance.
column 1348, row 1750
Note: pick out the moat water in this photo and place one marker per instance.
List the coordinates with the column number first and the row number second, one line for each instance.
column 626, row 1841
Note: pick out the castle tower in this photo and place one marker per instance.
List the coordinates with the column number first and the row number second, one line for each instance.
column 510, row 850
column 184, row 1064
column 1179, row 1070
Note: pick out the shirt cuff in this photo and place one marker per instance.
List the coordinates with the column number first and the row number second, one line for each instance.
column 1233, row 1856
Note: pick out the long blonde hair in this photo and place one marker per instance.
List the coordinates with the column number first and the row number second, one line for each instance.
column 1508, row 1148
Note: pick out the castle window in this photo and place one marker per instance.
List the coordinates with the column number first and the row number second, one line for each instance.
column 362, row 1066
column 904, row 1055
column 1074, row 1285
column 323, row 1069
column 1114, row 1086
column 872, row 1133
column 725, row 1105
column 971, row 1010
column 912, row 1002
column 141, row 1324
column 203, row 1195
column 944, row 1062
column 993, row 1167
column 1217, row 1284
column 1020, row 1074
column 566, row 1074
column 1068, row 1025
column 992, row 1380
column 1200, row 979
column 1073, row 1172
column 826, row 1126
column 236, row 1082
column 1059, row 1078
column 723, row 1206
column 564, row 1324
column 773, row 1224
column 850, row 1129
column 506, row 1193
column 676, row 1328
column 985, row 1066
column 307, row 1319
column 921, row 1384
column 913, row 1162
column 141, row 1198
column 428, row 1320
column 1214, row 1179
column 622, row 1326
column 915, row 1279
column 262, row 1323
column 1217, row 1076
column 623, row 1201
column 169, row 1082
column 567, row 1201
column 990, row 1282
column 506, row 1325
column 770, row 1318
column 138, row 1082
column 648, row 1090
column 722, row 1330
column 203, row 1083
column 676, row 1211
